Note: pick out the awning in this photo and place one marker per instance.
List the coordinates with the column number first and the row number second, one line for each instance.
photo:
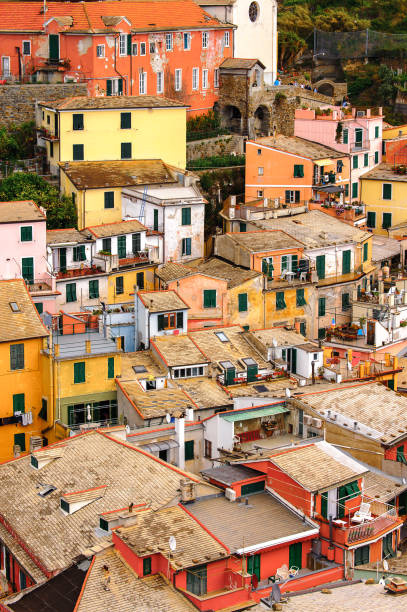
column 330, row 188
column 155, row 447
column 256, row 413
column 323, row 162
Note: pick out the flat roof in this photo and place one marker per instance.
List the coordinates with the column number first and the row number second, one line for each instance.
column 20, row 211
column 298, row 146
column 74, row 345
column 161, row 301
column 118, row 173
column 318, row 467
column 112, row 102
column 242, row 526
column 229, row 474
column 263, row 240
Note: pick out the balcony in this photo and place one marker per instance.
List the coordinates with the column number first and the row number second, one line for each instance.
column 359, row 146
column 40, row 286
column 46, row 134
column 62, row 274
column 373, row 528
column 271, row 208
column 134, row 259
column 351, row 214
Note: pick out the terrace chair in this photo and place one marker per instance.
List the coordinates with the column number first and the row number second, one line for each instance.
column 282, row 573
column 293, row 571
column 363, row 514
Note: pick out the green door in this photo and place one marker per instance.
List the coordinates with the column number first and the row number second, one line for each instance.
column 230, row 376
column 345, row 262
column 253, row 565
column 358, row 137
column 62, row 259
column 295, row 555
column 320, row 265
column 155, row 226
column 252, row 371
column 294, row 360
column 121, row 246
column 54, row 47
column 27, row 265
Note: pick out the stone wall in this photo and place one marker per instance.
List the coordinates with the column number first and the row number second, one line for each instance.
column 17, row 102
column 220, row 145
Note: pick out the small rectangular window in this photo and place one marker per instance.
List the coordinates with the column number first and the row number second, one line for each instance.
column 160, row 82
column 19, row 440
column 93, row 289
column 216, row 77
column 355, row 189
column 371, row 219
column 243, row 306
column 376, row 131
column 122, row 44
column 125, row 121
column 386, row 221
column 260, row 171
column 142, row 48
column 298, row 171
column 18, row 403
column 146, row 566
column 187, row 41
column 168, row 42
column 109, row 199
column 134, row 49
column 26, row 233
column 365, row 251
column 258, row 151
column 189, row 450
column 260, row 193
column 107, row 245
column 345, row 301
column 205, row 40
column 321, row 306
column 140, row 280
column 100, row 50
column 126, row 150
column 26, row 47
column 142, row 86
column 77, row 121
column 280, row 301
column 51, row 149
column 366, row 160
column 387, row 191
column 77, row 152
column 110, row 367
column 300, row 298
column 186, row 246
column 195, row 78
column 70, row 289
column 119, row 285
column 209, row 298
column 355, row 161
column 345, row 138
column 79, row 372
column 204, row 78
column 152, row 47
column 376, row 157
column 227, row 39
column 79, row 253
column 178, row 79
column 186, row 216
column 39, row 306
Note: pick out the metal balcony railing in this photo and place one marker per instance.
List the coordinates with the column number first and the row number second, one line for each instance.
column 371, row 528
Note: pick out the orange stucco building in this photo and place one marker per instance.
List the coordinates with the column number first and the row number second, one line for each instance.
column 170, row 48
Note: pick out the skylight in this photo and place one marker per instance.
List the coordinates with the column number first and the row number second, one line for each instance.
column 222, row 337
column 139, row 369
column 46, row 490
column 14, row 306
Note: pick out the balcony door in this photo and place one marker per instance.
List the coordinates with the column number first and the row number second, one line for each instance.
column 358, row 137
column 54, row 47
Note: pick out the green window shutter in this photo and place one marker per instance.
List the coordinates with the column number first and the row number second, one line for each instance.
column 371, row 219
column 43, row 413
column 280, row 301
column 82, row 253
column 120, row 87
column 126, row 150
column 242, row 297
column 303, row 329
column 79, row 372
column 386, row 220
column 345, row 301
column 140, row 280
column 321, row 333
column 39, row 306
column 93, row 289
column 77, row 152
column 264, row 266
column 362, row 555
column 110, row 367
column 376, row 131
column 354, row 190
column 295, row 555
column 298, row 171
column 108, row 87
column 186, row 216
column 26, row 234
column 355, row 161
column 342, row 495
column 320, row 265
column 347, row 189
column 77, row 121
column 160, row 322
column 294, row 263
column 121, row 246
column 189, row 450
column 287, row 196
column 284, row 262
column 242, row 226
column 376, row 157
column 136, row 243
column 27, row 265
column 16, row 356
column 252, row 372
column 109, row 199
column 339, row 166
column 186, row 246
column 366, row 159
column 19, row 440
column 300, row 298
column 400, row 455
column 75, row 254
column 365, row 251
column 70, row 292
column 345, row 136
column 18, row 402
column 107, row 245
column 321, row 306
column 146, row 566
column 180, row 320
column 346, row 261
column 53, row 47
column 324, row 505
column 155, row 227
column 128, row 44
column 125, row 121
column 209, row 298
column 119, row 285
column 387, row 191
column 252, row 487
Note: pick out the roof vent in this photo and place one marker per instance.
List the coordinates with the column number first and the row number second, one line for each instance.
column 46, row 490
column 72, row 502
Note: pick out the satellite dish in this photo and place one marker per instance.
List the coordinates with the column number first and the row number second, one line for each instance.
column 385, row 565
column 168, row 418
column 172, row 543
column 287, row 392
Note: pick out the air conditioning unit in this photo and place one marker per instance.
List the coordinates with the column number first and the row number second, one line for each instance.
column 360, row 113
column 317, row 423
column 35, row 443
column 230, row 494
column 307, row 419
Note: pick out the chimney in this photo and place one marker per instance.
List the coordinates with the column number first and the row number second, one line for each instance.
column 88, row 346
column 188, row 490
column 180, row 438
column 189, row 414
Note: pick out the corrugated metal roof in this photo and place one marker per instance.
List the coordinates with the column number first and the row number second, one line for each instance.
column 254, row 414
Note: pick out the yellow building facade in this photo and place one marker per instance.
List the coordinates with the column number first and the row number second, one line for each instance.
column 384, row 193
column 113, row 128
column 130, row 281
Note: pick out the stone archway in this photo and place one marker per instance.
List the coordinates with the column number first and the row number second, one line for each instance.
column 231, row 118
column 326, row 89
column 261, row 124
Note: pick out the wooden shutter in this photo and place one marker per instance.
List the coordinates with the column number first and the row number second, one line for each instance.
column 320, row 265
column 140, row 280
column 136, row 243
column 110, row 367
column 346, row 260
column 54, row 47
column 160, row 322
column 321, row 307
column 79, row 372
column 365, row 251
column 18, row 402
column 108, row 87
column 386, row 191
column 126, row 150
column 77, row 152
column 128, row 44
column 324, row 505
column 242, row 302
column 77, row 121
column 121, row 246
column 386, row 220
column 26, row 234
column 119, row 285
column 371, row 219
column 295, row 555
column 186, row 216
column 209, row 298
column 125, row 121
column 27, row 265
column 189, row 450
column 300, row 298
column 280, row 301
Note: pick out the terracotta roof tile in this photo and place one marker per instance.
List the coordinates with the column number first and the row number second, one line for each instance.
column 162, row 301
column 21, row 325
column 20, row 211
column 115, row 229
column 114, row 102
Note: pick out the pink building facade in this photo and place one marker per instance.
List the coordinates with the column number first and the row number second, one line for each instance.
column 352, row 131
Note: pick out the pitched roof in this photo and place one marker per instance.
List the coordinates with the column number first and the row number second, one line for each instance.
column 205, row 392
column 115, row 229
column 156, row 403
column 173, row 271
column 280, row 335
column 383, row 172
column 20, row 211
column 65, row 236
column 127, row 592
column 112, row 102
column 258, row 241
column 178, row 350
column 235, row 275
column 151, row 532
column 21, row 325
column 299, row 146
column 161, row 301
column 382, row 487
column 151, row 16
column 315, row 229
column 87, row 461
column 99, row 174
column 380, row 413
column 239, row 63
column 318, row 467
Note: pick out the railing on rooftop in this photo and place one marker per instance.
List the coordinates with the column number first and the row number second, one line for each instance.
column 250, row 212
column 78, row 427
column 371, row 528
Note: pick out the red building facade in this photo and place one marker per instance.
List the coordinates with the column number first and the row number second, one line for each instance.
column 167, row 47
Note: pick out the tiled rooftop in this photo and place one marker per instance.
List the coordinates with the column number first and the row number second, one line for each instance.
column 20, row 211
column 235, row 275
column 116, row 229
column 179, row 350
column 65, row 236
column 142, row 359
column 384, row 172
column 259, row 241
column 111, row 102
column 173, row 271
column 157, row 403
column 205, row 392
column 235, row 62
column 300, row 146
column 162, row 301
column 25, row 322
column 278, row 334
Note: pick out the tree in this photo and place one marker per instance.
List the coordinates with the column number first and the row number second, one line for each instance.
column 61, row 211
column 340, row 20
column 17, row 141
column 387, row 89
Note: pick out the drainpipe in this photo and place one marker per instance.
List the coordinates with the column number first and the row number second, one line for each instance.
column 131, row 67
column 19, row 63
column 264, row 301
column 115, row 67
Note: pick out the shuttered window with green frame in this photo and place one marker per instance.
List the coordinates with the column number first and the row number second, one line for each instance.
column 365, row 251
column 324, row 505
column 189, row 450
column 298, row 170
column 267, row 267
column 362, row 555
column 386, row 222
column 70, row 289
column 186, row 216
column 321, row 306
column 371, row 219
column 26, row 233
column 125, row 121
column 346, row 261
column 93, row 289
column 400, row 455
column 345, row 301
column 110, row 367
column 77, row 152
column 209, row 298
column 320, row 266
column 79, row 372
column 146, row 566
column 280, row 301
column 18, row 402
column 109, row 199
column 79, row 253
column 77, row 121
column 242, row 297
column 300, row 298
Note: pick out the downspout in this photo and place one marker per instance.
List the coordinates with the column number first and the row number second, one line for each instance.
column 51, row 385
column 83, row 209
column 264, row 301
column 131, row 66
column 115, row 67
column 19, row 63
